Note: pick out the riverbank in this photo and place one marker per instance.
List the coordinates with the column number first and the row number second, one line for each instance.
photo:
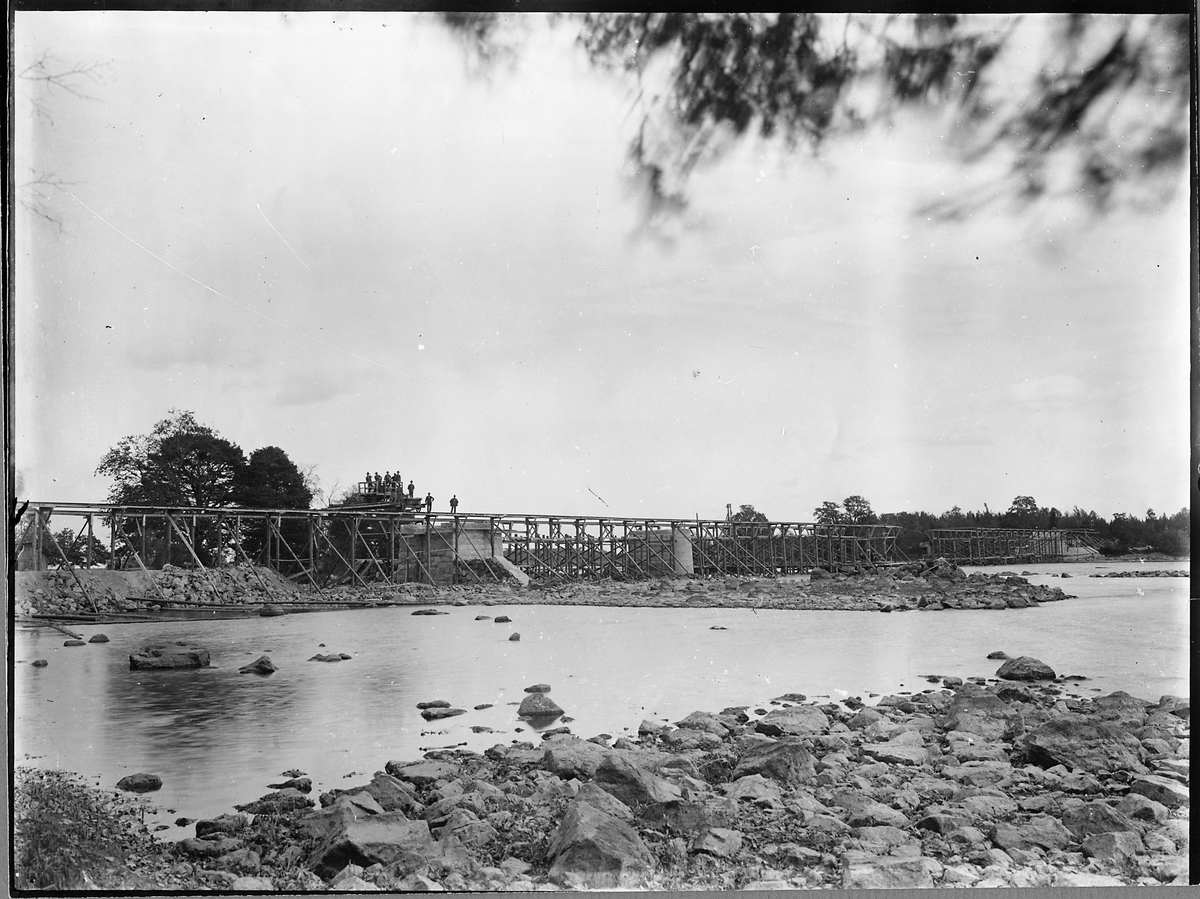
column 926, row 586
column 992, row 782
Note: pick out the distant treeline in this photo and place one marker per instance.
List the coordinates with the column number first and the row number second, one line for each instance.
column 1119, row 535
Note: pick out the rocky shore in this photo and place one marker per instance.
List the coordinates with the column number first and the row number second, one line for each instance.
column 1006, row 781
column 926, row 586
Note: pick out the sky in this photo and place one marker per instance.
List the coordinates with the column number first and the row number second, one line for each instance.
column 342, row 235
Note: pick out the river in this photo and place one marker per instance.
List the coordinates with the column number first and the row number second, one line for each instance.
column 218, row 738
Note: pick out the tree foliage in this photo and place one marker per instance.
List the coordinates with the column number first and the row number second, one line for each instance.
column 749, row 513
column 1080, row 106
column 184, row 464
column 858, row 510
column 75, row 547
column 271, row 480
column 829, row 513
column 179, row 463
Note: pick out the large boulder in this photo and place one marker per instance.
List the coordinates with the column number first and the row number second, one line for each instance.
column 276, row 802
column 786, row 761
column 897, row 753
column 538, row 705
column 889, row 872
column 1077, row 742
column 1041, row 831
column 1025, row 668
column 424, row 772
column 975, row 710
column 140, row 783
column 1122, row 708
column 797, row 721
column 594, row 850
column 261, row 665
column 574, row 758
column 389, row 839
column 1088, row 818
column 1163, row 790
column 226, row 824
column 633, row 785
column 390, row 793
column 169, row 656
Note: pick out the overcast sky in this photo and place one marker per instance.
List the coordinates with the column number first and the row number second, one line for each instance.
column 337, row 234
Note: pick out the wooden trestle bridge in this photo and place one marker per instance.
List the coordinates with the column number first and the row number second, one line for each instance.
column 361, row 546
column 1006, row 546
column 353, row 545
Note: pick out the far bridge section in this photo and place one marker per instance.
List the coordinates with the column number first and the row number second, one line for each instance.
column 1007, row 546
column 398, row 544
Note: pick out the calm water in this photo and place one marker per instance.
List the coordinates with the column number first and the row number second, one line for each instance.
column 218, row 738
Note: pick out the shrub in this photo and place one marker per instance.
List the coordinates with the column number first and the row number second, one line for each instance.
column 65, row 834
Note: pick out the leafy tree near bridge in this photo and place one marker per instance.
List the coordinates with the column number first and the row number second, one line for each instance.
column 829, row 513
column 271, row 480
column 748, row 513
column 181, row 464
column 75, row 548
column 858, row 510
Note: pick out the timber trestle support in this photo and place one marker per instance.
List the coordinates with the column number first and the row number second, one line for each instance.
column 1008, row 546
column 346, row 545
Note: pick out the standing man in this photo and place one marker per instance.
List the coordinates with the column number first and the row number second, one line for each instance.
column 410, row 489
column 453, row 504
column 428, row 503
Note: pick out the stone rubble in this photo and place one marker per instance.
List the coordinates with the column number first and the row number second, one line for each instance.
column 1009, row 784
column 923, row 586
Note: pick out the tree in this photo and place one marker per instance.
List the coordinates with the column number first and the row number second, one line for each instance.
column 271, row 480
column 180, row 463
column 1102, row 115
column 1023, row 513
column 749, row 513
column 75, row 548
column 829, row 513
column 858, row 510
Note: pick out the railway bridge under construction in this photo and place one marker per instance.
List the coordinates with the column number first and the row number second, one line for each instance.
column 349, row 545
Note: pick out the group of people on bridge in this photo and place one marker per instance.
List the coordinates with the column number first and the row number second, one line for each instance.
column 390, row 485
column 393, row 486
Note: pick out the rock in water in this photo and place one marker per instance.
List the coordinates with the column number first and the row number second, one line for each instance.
column 514, row 638
column 261, row 665
column 538, row 705
column 436, row 714
column 1025, row 668
column 98, row 638
column 538, row 688
column 174, row 656
column 140, row 783
column 270, row 611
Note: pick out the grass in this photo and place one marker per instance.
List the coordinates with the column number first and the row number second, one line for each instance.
column 67, row 835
